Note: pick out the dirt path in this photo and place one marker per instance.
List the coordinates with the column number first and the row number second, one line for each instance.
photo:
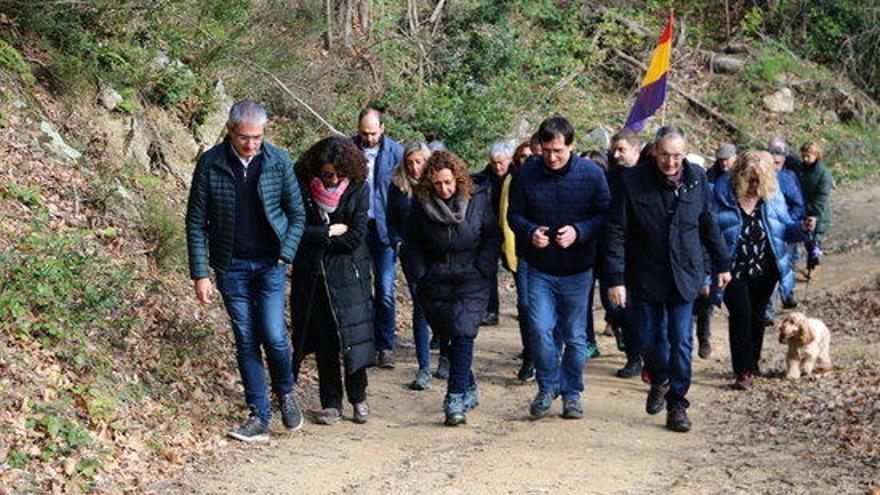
column 616, row 449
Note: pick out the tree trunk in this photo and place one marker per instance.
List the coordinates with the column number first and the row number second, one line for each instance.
column 346, row 19
column 364, row 12
column 328, row 4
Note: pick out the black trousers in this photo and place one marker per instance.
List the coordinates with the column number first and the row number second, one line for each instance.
column 746, row 302
column 327, row 356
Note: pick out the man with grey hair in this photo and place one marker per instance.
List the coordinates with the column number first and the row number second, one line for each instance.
column 500, row 158
column 244, row 220
column 383, row 154
column 661, row 225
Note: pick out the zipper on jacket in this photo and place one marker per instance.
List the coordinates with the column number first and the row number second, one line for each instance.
column 330, row 304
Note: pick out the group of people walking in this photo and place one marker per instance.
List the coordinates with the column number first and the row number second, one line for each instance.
column 664, row 239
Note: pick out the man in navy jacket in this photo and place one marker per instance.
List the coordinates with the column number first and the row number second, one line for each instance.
column 660, row 229
column 382, row 154
column 558, row 205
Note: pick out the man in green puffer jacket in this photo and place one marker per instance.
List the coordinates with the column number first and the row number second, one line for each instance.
column 244, row 219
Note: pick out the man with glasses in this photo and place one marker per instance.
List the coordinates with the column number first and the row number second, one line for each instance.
column 660, row 227
column 244, row 219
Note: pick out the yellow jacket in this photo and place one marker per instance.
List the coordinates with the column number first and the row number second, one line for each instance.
column 508, row 246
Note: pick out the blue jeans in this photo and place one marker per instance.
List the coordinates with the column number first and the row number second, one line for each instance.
column 421, row 331
column 667, row 334
column 521, row 280
column 460, row 352
column 383, row 289
column 253, row 291
column 591, row 325
column 557, row 323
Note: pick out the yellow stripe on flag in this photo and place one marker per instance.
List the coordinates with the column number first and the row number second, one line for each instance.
column 659, row 63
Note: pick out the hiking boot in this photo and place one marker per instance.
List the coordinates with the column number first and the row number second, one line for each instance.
column 592, row 350
column 489, row 320
column 454, row 407
column 422, row 381
column 572, row 409
column 704, row 349
column 526, row 372
column 540, row 405
column 743, row 381
column 385, row 359
column 361, row 412
column 471, row 398
column 291, row 416
column 677, row 420
column 656, row 398
column 328, row 416
column 253, row 430
column 442, row 371
column 633, row 367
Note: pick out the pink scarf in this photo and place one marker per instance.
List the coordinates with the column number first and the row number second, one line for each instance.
column 327, row 199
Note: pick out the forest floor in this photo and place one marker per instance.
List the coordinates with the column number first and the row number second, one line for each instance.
column 814, row 436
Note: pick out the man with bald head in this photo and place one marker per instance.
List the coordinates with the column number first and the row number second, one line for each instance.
column 661, row 225
column 382, row 154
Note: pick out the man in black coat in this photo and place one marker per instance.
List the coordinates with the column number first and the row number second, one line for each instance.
column 661, row 225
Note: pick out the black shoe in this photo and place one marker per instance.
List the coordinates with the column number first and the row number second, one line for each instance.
column 789, row 302
column 489, row 320
column 633, row 367
column 253, row 430
column 361, row 412
column 704, row 349
column 291, row 416
column 385, row 359
column 656, row 398
column 677, row 420
column 526, row 372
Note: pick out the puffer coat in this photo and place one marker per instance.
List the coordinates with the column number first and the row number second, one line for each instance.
column 341, row 266
column 453, row 265
column 777, row 222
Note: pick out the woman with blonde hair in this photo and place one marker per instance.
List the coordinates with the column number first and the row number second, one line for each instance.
column 453, row 242
column 404, row 181
column 755, row 223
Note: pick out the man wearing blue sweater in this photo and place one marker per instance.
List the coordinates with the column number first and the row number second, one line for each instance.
column 558, row 205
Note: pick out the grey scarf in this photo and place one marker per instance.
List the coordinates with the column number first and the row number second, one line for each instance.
column 446, row 212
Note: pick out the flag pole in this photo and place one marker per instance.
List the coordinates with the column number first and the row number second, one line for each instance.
column 669, row 74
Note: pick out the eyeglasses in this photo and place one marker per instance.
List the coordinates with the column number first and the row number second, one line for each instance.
column 327, row 175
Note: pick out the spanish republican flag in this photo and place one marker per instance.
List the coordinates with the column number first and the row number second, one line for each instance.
column 652, row 93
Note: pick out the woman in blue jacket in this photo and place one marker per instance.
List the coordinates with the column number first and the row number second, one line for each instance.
column 755, row 223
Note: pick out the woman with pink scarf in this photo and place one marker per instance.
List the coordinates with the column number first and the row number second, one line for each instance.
column 331, row 300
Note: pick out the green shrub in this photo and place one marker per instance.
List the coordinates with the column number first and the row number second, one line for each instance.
column 11, row 59
column 162, row 228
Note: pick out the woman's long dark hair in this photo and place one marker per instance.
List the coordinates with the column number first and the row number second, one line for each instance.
column 346, row 158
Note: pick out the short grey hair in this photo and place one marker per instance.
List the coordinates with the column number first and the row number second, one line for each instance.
column 417, row 147
column 502, row 148
column 247, row 111
column 437, row 145
column 669, row 131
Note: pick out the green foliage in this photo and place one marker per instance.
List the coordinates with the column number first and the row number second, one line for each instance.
column 162, row 228
column 11, row 59
column 56, row 290
column 768, row 66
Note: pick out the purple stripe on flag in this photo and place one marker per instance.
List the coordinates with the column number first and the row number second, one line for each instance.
column 649, row 100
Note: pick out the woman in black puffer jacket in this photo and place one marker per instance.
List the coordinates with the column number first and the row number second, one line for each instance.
column 453, row 242
column 331, row 288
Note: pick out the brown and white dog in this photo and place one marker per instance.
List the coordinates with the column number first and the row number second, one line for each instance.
column 809, row 345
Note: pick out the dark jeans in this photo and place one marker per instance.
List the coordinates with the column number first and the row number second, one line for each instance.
column 521, row 279
column 324, row 335
column 591, row 328
column 383, row 289
column 460, row 352
column 253, row 292
column 667, row 334
column 746, row 302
